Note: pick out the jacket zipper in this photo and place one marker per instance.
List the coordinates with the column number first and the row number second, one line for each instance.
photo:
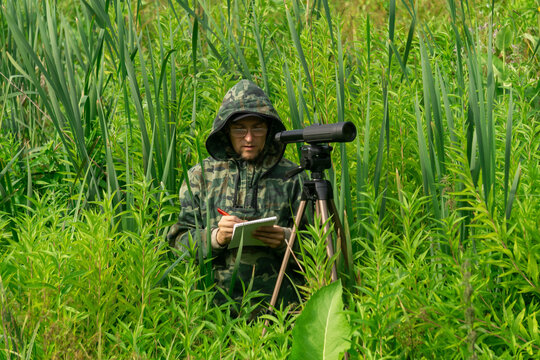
column 254, row 187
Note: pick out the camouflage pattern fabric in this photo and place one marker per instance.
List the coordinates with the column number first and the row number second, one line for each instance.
column 247, row 189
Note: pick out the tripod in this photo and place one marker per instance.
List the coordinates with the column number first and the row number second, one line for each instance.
column 316, row 158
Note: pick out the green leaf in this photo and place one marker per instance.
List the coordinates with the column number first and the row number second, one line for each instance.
column 508, row 148
column 532, row 267
column 260, row 52
column 513, row 191
column 298, row 46
column 322, row 330
column 329, row 20
column 504, row 38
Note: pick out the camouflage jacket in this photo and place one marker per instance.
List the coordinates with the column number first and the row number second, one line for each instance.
column 247, row 189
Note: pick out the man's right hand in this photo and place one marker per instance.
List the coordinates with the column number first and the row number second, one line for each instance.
column 225, row 229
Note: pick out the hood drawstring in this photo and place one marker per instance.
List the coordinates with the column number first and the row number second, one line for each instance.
column 254, row 202
column 236, row 185
column 255, row 187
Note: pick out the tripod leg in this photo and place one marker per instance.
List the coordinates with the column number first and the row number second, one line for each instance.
column 323, row 208
column 340, row 234
column 288, row 251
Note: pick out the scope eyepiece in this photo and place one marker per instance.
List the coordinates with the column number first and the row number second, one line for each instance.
column 338, row 132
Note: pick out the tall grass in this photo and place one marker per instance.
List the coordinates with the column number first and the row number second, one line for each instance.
column 105, row 106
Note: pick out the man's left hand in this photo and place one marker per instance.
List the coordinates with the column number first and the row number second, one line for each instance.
column 272, row 236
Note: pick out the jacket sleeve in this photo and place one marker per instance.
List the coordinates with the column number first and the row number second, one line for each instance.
column 191, row 230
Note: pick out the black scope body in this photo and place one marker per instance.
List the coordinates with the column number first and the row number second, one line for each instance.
column 344, row 131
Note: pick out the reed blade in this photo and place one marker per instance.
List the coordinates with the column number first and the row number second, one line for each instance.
column 447, row 108
column 490, row 128
column 300, row 51
column 380, row 149
column 113, row 187
column 400, row 61
column 260, row 52
column 362, row 161
column 432, row 113
column 513, row 191
column 329, row 21
column 293, row 105
column 410, row 34
column 425, row 164
column 391, row 27
column 508, row 149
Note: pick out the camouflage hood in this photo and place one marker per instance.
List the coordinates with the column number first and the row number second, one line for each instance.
column 245, row 98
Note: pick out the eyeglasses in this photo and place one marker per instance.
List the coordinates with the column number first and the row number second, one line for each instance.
column 242, row 132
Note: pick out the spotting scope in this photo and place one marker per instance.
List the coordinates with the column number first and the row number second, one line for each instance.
column 344, row 131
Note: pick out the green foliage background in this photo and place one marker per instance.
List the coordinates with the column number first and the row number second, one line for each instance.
column 104, row 105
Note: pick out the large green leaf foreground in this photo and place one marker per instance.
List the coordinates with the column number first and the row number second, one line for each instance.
column 322, row 330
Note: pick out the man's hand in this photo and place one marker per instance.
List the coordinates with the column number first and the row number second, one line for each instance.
column 272, row 236
column 225, row 229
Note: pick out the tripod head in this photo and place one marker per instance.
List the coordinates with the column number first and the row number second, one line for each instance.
column 315, row 156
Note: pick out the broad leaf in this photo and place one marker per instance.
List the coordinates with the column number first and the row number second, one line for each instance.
column 322, row 330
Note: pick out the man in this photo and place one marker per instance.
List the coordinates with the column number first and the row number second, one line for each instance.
column 245, row 176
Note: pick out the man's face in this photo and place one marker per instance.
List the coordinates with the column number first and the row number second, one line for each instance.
column 248, row 136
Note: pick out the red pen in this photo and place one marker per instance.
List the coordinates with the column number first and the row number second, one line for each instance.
column 224, row 213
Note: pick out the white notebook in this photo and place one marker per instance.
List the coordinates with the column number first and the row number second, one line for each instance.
column 246, row 228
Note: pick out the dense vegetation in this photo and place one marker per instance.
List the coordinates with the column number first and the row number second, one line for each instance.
column 104, row 105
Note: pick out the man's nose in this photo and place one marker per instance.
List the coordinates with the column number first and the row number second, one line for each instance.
column 249, row 135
